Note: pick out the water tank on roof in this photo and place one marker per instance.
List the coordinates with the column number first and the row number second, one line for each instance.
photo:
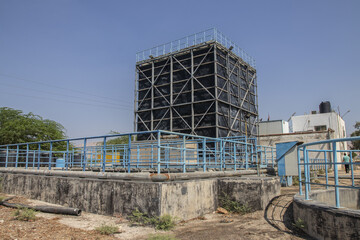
column 325, row 107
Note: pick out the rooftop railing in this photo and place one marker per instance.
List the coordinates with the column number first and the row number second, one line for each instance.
column 192, row 40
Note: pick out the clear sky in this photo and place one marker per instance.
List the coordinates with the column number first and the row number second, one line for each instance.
column 73, row 61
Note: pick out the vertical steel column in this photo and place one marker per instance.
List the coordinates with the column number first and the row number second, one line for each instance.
column 216, row 95
column 7, row 156
column 84, row 160
column 50, row 155
column 104, row 155
column 192, row 94
column 129, row 154
column 204, row 154
column 326, row 170
column 135, row 98
column 152, row 96
column 336, row 177
column 171, row 92
column 27, row 156
column 299, row 170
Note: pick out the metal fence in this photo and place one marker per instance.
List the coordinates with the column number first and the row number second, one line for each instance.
column 328, row 166
column 198, row 38
column 169, row 151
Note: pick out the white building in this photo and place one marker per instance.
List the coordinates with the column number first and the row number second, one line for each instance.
column 319, row 122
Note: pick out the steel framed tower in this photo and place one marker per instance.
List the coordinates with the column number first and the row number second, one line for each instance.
column 203, row 84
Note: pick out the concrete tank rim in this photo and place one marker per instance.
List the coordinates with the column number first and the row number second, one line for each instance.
column 311, row 203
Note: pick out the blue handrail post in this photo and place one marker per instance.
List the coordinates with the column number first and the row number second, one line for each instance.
column 39, row 155
column 129, row 155
column 84, row 160
column 184, row 154
column 352, row 170
column 33, row 162
column 246, row 157
column 158, row 151
column 7, row 156
column 234, row 144
column 307, row 180
column 299, row 170
column 137, row 156
column 104, row 155
column 221, row 155
column 50, row 155
column 67, row 156
column 17, row 156
column 336, row 177
column 326, row 170
column 204, row 154
column 27, row 156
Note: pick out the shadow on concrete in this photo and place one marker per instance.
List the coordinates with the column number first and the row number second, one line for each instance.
column 279, row 214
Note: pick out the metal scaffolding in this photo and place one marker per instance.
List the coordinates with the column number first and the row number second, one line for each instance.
column 204, row 89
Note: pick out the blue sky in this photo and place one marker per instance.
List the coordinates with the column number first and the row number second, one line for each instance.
column 73, row 61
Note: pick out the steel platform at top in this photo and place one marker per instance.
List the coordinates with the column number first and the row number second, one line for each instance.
column 195, row 39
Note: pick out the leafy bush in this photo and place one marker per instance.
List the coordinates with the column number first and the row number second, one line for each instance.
column 24, row 214
column 107, row 229
column 165, row 222
column 233, row 206
column 299, row 224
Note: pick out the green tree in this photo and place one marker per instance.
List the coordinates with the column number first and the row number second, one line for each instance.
column 18, row 127
column 356, row 144
column 117, row 140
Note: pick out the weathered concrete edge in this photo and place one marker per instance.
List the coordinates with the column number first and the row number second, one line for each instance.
column 132, row 176
column 326, row 222
column 300, row 199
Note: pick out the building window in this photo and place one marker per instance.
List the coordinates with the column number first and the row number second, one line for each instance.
column 320, row 128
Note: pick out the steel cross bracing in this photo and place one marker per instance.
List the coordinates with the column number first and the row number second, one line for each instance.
column 173, row 100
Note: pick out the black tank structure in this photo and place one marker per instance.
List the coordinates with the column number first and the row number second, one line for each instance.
column 201, row 88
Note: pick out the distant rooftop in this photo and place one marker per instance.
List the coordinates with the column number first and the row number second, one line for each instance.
column 205, row 36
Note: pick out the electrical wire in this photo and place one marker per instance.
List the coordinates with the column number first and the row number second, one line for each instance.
column 59, row 87
column 64, row 95
column 74, row 102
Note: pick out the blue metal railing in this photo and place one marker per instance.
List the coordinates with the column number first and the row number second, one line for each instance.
column 313, row 157
column 161, row 150
column 195, row 39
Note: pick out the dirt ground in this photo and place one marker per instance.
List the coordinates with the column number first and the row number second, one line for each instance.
column 273, row 223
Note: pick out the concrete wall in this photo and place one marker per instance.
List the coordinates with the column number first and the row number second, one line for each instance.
column 255, row 191
column 184, row 199
column 273, row 127
column 325, row 222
